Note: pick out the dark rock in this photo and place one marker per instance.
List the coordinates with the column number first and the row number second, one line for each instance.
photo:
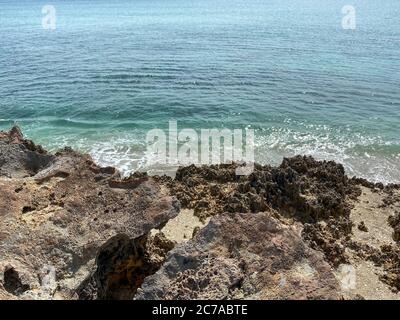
column 362, row 227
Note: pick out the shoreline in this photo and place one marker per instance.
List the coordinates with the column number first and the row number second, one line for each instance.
column 371, row 159
column 303, row 221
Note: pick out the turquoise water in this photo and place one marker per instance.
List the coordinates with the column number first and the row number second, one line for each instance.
column 112, row 70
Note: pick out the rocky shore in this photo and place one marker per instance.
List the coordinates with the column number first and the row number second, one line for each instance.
column 70, row 229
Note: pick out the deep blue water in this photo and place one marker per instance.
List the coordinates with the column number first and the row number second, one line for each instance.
column 112, row 70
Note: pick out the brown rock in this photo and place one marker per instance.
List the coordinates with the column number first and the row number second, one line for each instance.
column 247, row 256
column 57, row 212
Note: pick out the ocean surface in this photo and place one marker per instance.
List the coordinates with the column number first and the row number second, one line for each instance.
column 112, row 70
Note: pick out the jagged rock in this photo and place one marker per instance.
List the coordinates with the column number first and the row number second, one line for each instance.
column 301, row 187
column 251, row 256
column 57, row 212
column 394, row 222
column 20, row 157
column 72, row 229
column 122, row 265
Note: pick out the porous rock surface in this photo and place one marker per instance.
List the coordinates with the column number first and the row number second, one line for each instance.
column 60, row 217
column 236, row 256
column 320, row 197
column 70, row 229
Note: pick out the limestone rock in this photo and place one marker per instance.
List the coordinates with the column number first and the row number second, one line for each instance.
column 58, row 211
column 250, row 256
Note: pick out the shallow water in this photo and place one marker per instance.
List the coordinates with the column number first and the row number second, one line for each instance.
column 111, row 71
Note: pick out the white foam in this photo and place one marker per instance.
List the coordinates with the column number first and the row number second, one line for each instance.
column 127, row 152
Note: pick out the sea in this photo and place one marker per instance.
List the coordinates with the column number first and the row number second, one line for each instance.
column 310, row 77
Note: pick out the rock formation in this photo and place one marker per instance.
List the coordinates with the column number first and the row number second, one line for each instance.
column 64, row 219
column 70, row 229
column 236, row 256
